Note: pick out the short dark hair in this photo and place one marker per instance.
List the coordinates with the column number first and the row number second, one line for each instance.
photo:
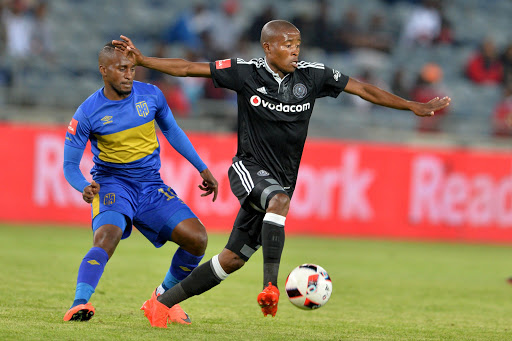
column 272, row 28
column 106, row 52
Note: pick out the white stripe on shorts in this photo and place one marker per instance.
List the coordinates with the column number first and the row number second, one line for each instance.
column 244, row 175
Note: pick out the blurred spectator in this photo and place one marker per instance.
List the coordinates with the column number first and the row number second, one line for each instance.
column 378, row 35
column 428, row 85
column 189, row 27
column 423, row 25
column 506, row 59
column 321, row 28
column 149, row 75
column 502, row 114
column 368, row 75
column 398, row 83
column 227, row 29
column 192, row 87
column 347, row 34
column 303, row 20
column 392, row 2
column 371, row 46
column 41, row 38
column 181, row 93
column 446, row 34
column 18, row 29
column 253, row 32
column 485, row 66
column 175, row 96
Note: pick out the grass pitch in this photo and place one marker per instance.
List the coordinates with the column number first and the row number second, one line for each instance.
column 382, row 290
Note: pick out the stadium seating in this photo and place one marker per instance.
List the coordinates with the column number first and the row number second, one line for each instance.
column 80, row 27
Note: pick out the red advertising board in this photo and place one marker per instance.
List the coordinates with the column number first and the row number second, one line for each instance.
column 344, row 188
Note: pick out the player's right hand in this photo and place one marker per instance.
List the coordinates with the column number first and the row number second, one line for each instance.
column 126, row 46
column 90, row 191
column 209, row 184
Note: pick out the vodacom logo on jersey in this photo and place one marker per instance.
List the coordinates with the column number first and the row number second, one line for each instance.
column 257, row 101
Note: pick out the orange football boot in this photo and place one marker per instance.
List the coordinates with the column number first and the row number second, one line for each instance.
column 81, row 312
column 175, row 314
column 156, row 312
column 268, row 299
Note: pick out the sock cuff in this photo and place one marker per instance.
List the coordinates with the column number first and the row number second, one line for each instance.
column 217, row 268
column 274, row 218
column 186, row 257
column 99, row 254
column 82, row 286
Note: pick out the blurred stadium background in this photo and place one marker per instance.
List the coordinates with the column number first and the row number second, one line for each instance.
column 48, row 88
column 366, row 170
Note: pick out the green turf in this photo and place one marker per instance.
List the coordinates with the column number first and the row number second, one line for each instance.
column 382, row 290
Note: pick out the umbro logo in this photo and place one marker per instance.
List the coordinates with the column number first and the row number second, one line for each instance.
column 93, row 262
column 107, row 119
column 262, row 90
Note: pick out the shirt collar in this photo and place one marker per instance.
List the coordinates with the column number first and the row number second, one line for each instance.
column 274, row 74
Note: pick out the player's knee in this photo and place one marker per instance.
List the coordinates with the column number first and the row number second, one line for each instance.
column 233, row 265
column 199, row 242
column 191, row 235
column 279, row 204
column 107, row 237
column 230, row 261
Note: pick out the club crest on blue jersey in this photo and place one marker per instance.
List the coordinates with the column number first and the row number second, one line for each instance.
column 109, row 199
column 300, row 90
column 142, row 109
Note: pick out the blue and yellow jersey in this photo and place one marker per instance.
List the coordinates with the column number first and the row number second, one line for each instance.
column 122, row 133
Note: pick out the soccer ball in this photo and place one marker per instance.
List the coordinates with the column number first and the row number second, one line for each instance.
column 308, row 286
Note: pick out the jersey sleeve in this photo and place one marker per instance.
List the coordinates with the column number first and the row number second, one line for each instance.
column 175, row 135
column 330, row 82
column 77, row 136
column 71, row 166
column 162, row 108
column 79, row 129
column 227, row 74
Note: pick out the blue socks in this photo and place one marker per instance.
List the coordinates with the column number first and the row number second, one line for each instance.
column 94, row 262
column 182, row 265
column 89, row 274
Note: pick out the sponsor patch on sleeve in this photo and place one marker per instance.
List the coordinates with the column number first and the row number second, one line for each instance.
column 72, row 126
column 223, row 64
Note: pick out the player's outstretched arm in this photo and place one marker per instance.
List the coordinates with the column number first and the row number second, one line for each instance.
column 209, row 184
column 172, row 66
column 378, row 96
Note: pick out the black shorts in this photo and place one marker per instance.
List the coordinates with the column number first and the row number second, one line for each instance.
column 254, row 187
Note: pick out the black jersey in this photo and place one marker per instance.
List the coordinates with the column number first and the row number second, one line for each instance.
column 274, row 113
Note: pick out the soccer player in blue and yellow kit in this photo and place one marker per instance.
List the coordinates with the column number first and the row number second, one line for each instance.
column 119, row 120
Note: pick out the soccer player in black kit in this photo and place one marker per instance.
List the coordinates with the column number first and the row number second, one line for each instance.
column 276, row 96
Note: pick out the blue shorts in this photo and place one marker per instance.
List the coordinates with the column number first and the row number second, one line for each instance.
column 149, row 205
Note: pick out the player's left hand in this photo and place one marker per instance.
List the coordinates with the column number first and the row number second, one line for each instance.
column 428, row 109
column 126, row 46
column 209, row 185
